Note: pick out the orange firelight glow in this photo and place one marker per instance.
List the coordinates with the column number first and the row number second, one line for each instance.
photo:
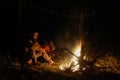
column 73, row 60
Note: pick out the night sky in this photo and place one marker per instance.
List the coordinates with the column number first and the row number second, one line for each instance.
column 51, row 17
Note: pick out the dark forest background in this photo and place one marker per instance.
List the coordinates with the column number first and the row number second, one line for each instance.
column 51, row 17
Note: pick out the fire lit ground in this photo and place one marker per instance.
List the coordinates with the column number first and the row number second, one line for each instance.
column 86, row 35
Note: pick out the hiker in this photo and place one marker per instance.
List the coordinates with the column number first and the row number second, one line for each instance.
column 36, row 50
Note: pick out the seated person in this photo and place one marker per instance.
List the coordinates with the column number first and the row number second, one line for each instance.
column 36, row 50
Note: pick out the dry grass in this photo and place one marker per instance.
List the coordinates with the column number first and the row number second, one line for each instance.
column 109, row 63
column 44, row 71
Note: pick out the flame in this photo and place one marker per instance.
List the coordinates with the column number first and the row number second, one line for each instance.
column 84, row 68
column 73, row 60
column 76, row 68
column 84, row 57
column 77, row 52
column 65, row 66
column 61, row 67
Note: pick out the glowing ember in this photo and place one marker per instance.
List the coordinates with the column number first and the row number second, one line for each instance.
column 84, row 57
column 83, row 68
column 61, row 67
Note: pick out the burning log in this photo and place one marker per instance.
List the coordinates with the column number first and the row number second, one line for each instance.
column 79, row 59
column 71, row 53
column 82, row 62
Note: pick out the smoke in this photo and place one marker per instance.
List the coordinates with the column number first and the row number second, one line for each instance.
column 67, row 38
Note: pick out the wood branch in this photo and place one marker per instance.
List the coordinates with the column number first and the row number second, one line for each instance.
column 72, row 53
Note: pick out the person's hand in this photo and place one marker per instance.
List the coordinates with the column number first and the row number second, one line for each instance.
column 51, row 62
column 30, row 61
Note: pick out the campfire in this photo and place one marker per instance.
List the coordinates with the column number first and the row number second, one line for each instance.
column 73, row 62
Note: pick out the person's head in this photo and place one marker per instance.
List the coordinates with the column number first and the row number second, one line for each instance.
column 35, row 35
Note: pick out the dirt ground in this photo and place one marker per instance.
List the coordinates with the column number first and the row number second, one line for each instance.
column 45, row 71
